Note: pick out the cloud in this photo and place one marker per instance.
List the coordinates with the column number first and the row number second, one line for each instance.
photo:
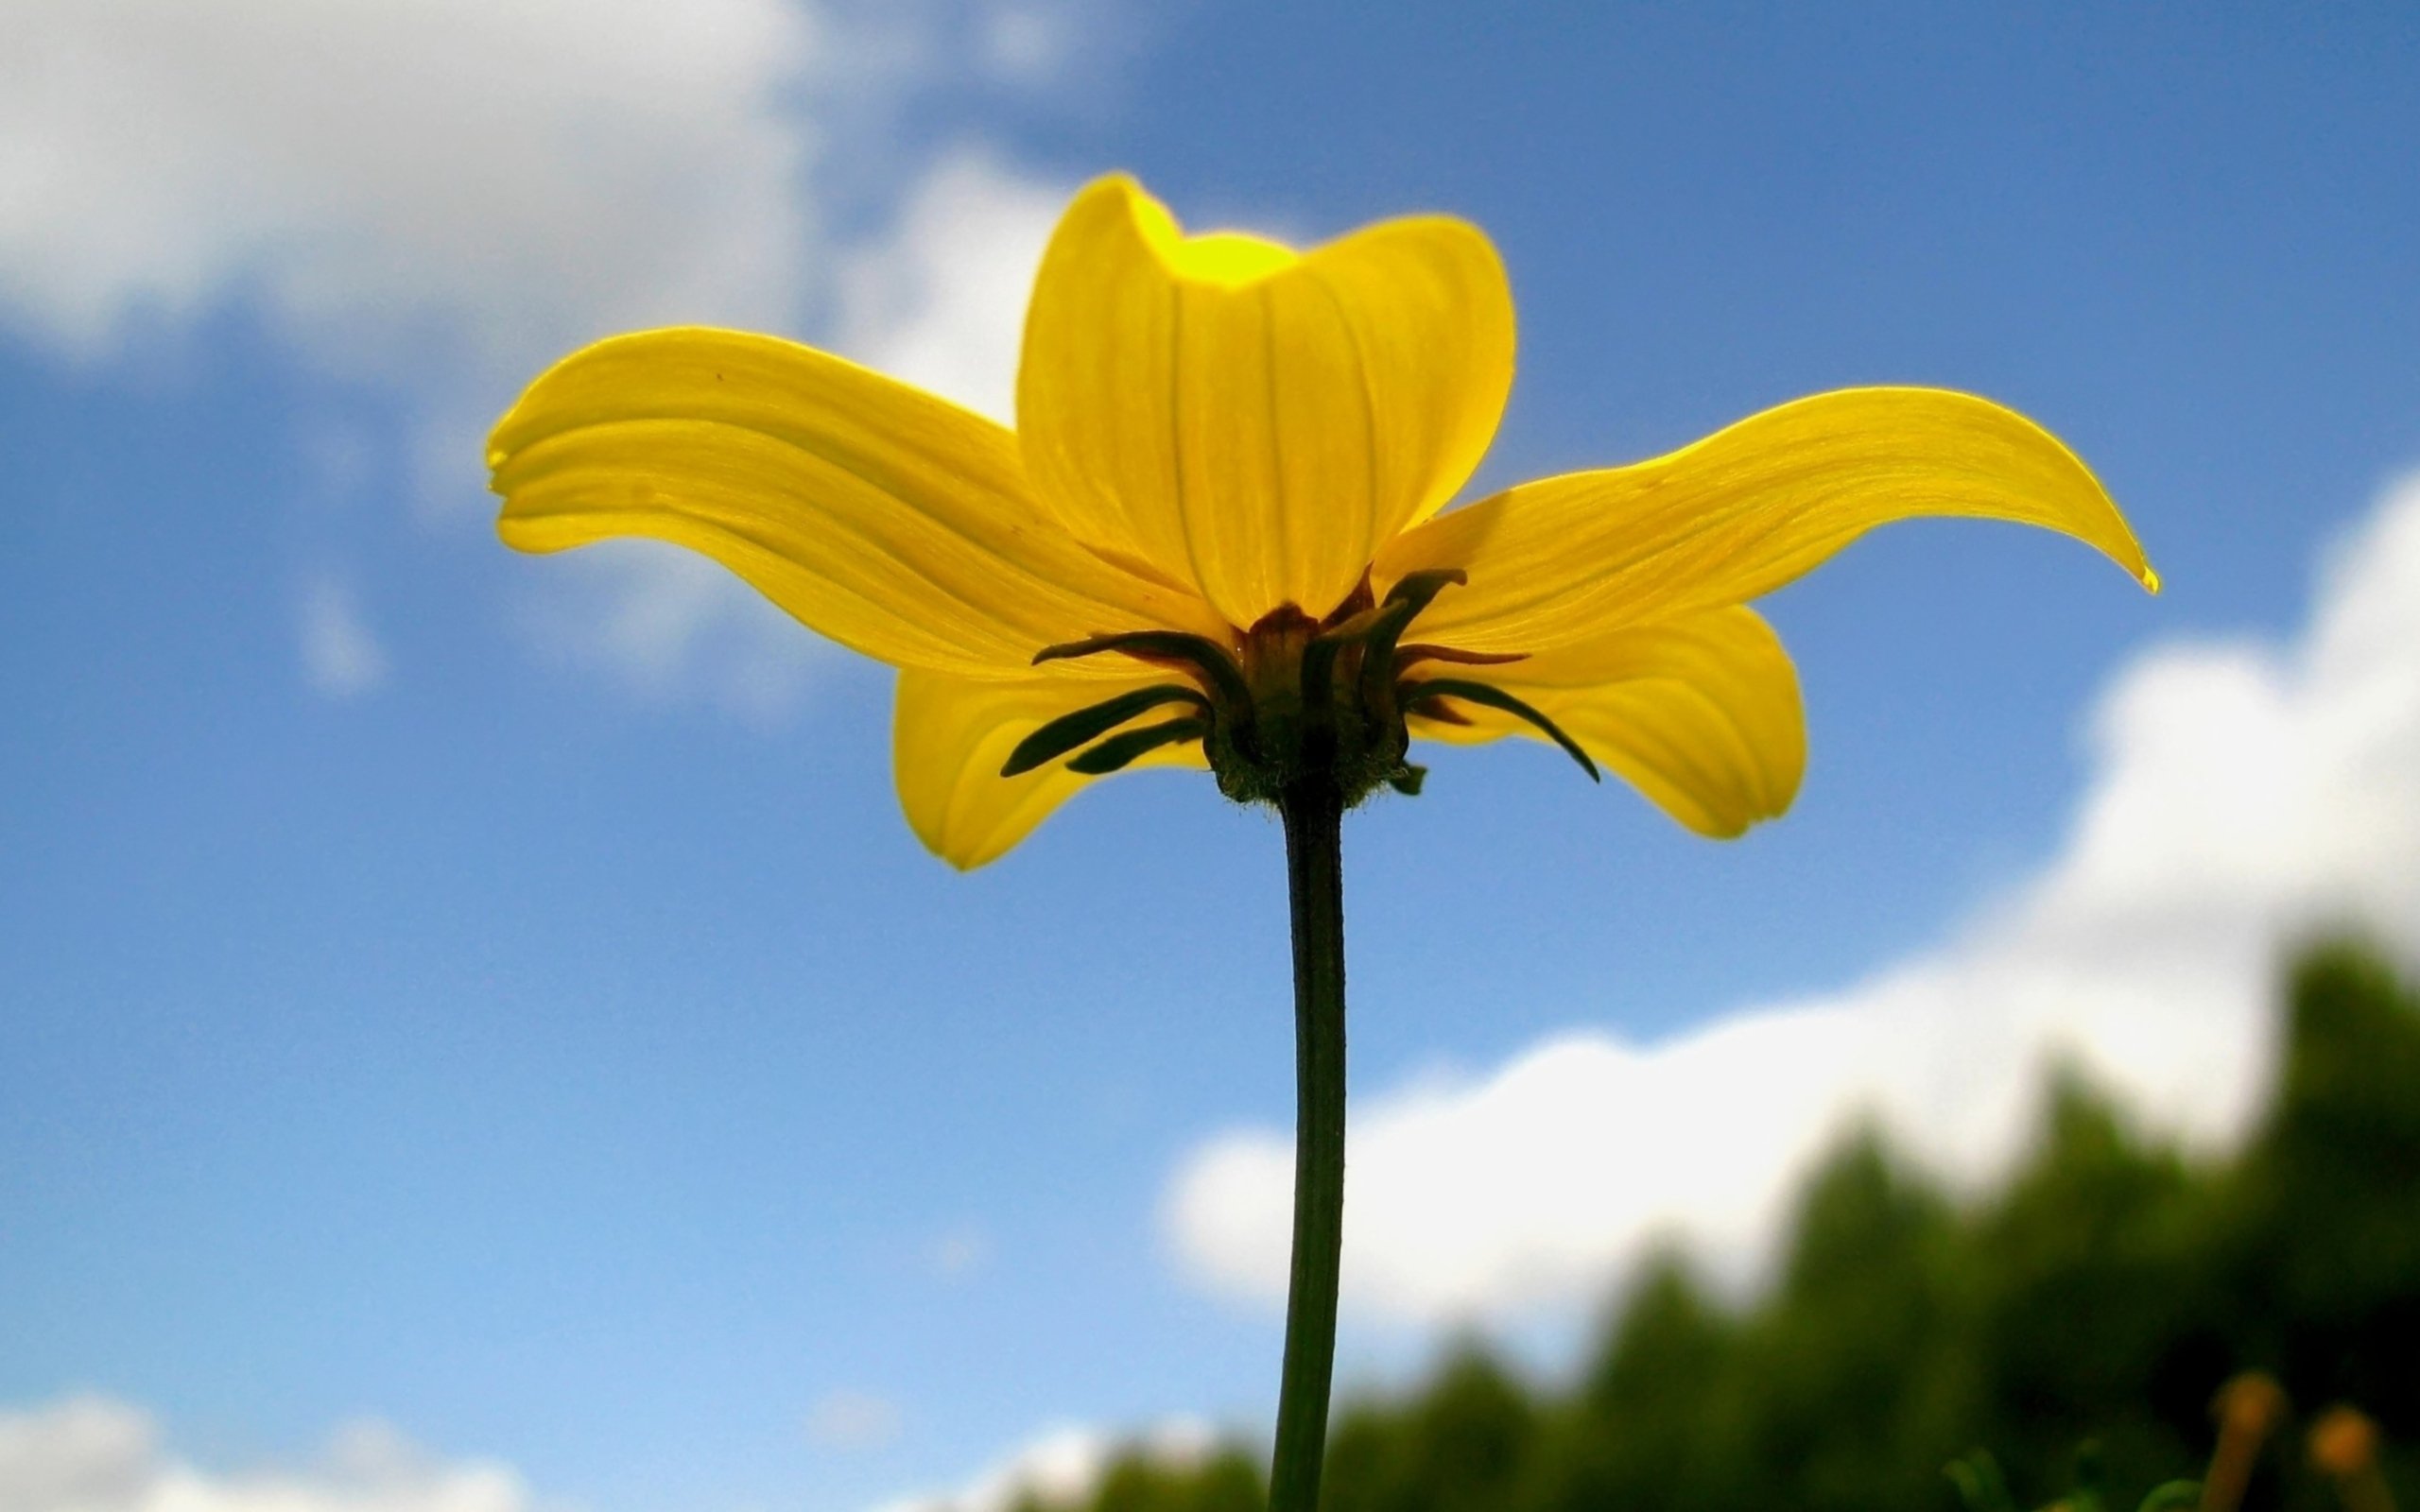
column 1059, row 1467
column 1029, row 42
column 505, row 176
column 2243, row 795
column 95, row 1454
column 341, row 659
column 935, row 299
column 671, row 625
column 852, row 1420
column 436, row 198
column 940, row 302
column 932, row 299
column 958, row 1254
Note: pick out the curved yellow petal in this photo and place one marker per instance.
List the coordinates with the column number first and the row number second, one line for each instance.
column 1700, row 713
column 888, row 520
column 1742, row 512
column 1250, row 419
column 950, row 736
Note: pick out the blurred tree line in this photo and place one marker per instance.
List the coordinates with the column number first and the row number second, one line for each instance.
column 2105, row 1293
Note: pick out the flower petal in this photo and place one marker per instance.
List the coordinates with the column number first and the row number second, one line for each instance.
column 950, row 736
column 1742, row 512
column 888, row 520
column 1251, row 420
column 1700, row 713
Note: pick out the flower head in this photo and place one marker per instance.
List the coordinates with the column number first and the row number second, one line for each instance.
column 1217, row 535
column 2344, row 1443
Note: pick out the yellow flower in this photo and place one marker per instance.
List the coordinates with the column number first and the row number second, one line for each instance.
column 1244, row 450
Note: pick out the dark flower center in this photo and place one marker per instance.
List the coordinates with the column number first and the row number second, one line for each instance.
column 1294, row 700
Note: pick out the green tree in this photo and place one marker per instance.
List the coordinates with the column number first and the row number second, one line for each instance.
column 2104, row 1293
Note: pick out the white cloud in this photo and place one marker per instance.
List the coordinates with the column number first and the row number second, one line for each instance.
column 1066, row 46
column 1027, row 42
column 439, row 196
column 508, row 175
column 852, row 1420
column 341, row 657
column 959, row 1253
column 2243, row 795
column 670, row 624
column 936, row 298
column 95, row 1455
column 941, row 301
column 1059, row 1465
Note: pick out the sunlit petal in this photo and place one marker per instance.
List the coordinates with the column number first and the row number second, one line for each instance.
column 1251, row 419
column 1700, row 713
column 950, row 736
column 1744, row 512
column 888, row 520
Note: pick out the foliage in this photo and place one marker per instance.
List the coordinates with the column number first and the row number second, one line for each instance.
column 2101, row 1299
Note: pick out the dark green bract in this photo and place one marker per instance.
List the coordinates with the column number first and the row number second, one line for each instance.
column 1298, row 701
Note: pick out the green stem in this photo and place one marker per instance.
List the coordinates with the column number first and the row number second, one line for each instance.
column 1314, row 815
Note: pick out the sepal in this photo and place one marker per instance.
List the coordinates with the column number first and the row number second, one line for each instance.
column 1413, row 694
column 1066, row 733
column 1119, row 752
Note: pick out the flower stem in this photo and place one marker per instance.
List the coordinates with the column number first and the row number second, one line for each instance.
column 1313, row 810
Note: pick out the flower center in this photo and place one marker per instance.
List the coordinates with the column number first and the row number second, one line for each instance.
column 1296, row 701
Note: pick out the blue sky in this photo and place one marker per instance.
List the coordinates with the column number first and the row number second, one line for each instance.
column 498, row 997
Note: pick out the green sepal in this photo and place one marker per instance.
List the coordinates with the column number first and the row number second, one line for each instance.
column 1422, row 651
column 1426, row 584
column 1118, row 751
column 2174, row 1496
column 1352, row 627
column 1493, row 697
column 1319, row 657
column 1408, row 781
column 1411, row 594
column 1067, row 731
column 1223, row 679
